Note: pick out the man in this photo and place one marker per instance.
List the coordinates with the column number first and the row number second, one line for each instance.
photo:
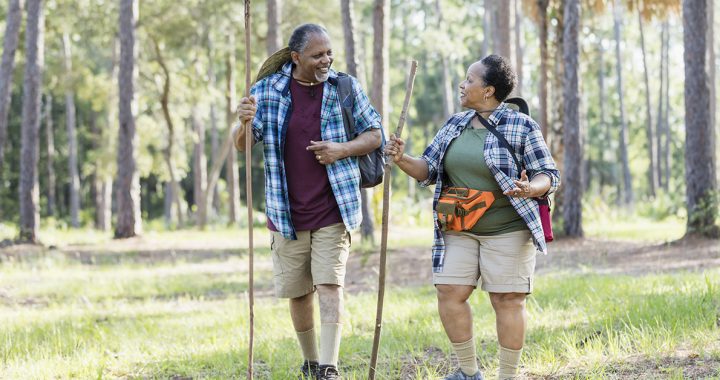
column 312, row 186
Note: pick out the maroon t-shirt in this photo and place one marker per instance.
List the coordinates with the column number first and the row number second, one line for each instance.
column 312, row 202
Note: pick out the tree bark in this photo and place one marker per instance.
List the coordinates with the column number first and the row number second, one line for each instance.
column 274, row 38
column 381, row 64
column 231, row 165
column 32, row 85
column 367, row 228
column 214, row 132
column 652, row 151
column 129, row 222
column 543, row 8
column 501, row 29
column 666, row 114
column 169, row 149
column 50, row 162
column 487, row 27
column 627, row 196
column 700, row 169
column 447, row 94
column 10, row 44
column 518, row 47
column 199, row 160
column 70, row 125
column 660, row 111
column 572, row 212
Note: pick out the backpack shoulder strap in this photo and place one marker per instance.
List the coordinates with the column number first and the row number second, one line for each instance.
column 347, row 101
column 520, row 103
column 503, row 141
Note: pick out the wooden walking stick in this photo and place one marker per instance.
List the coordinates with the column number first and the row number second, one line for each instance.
column 386, row 212
column 248, row 191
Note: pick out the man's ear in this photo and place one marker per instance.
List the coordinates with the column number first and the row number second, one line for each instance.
column 295, row 56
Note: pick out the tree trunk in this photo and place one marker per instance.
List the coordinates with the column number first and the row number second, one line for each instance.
column 274, row 38
column 104, row 170
column 199, row 160
column 447, row 93
column 231, row 166
column 214, row 132
column 555, row 132
column 700, row 170
column 129, row 222
column 169, row 149
column 381, row 64
column 487, row 27
column 543, row 8
column 652, row 181
column 501, row 29
column 10, row 44
column 661, row 102
column 34, row 61
column 518, row 47
column 50, row 162
column 367, row 227
column 666, row 116
column 70, row 124
column 628, row 197
column 573, row 189
column 604, row 127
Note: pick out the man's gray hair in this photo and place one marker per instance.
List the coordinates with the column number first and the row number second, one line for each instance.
column 301, row 36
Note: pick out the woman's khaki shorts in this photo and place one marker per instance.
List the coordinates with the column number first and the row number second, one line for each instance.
column 317, row 257
column 500, row 264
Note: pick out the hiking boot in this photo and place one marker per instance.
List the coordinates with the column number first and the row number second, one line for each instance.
column 308, row 370
column 328, row 372
column 459, row 375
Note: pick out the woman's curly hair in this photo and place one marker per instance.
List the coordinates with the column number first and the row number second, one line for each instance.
column 499, row 74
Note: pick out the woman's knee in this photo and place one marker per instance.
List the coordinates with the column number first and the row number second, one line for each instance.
column 506, row 301
column 453, row 293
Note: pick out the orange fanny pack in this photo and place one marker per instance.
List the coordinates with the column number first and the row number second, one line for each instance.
column 459, row 208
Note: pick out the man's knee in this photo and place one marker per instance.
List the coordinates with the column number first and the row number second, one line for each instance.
column 507, row 301
column 453, row 293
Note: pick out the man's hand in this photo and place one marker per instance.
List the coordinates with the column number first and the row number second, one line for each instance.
column 246, row 109
column 327, row 152
column 246, row 113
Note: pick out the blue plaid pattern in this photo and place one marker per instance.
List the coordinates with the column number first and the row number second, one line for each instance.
column 523, row 133
column 271, row 123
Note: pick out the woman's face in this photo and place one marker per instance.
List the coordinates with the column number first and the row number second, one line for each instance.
column 473, row 91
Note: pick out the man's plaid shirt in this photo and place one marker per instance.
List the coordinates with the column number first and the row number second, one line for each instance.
column 271, row 123
column 523, row 133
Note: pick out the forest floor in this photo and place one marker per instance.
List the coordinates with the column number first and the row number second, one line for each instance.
column 409, row 268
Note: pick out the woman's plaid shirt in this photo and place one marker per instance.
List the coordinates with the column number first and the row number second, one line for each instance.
column 271, row 123
column 523, row 133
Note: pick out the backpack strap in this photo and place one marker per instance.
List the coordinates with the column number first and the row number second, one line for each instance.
column 347, row 101
column 503, row 141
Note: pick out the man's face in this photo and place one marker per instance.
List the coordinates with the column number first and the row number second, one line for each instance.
column 313, row 64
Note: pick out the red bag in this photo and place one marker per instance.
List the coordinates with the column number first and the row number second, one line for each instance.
column 545, row 218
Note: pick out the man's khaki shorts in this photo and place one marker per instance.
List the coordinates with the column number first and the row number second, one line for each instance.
column 499, row 264
column 317, row 257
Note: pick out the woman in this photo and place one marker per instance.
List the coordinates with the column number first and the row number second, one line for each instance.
column 498, row 251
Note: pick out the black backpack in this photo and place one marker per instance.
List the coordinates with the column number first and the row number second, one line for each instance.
column 372, row 165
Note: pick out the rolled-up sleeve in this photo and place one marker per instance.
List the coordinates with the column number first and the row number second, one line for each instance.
column 537, row 158
column 258, row 120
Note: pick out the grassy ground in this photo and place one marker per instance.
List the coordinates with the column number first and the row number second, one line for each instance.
column 185, row 316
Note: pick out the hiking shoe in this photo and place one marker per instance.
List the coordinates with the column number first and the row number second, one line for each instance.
column 308, row 370
column 328, row 372
column 459, row 375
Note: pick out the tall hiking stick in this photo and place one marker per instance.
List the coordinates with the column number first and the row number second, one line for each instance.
column 386, row 212
column 248, row 192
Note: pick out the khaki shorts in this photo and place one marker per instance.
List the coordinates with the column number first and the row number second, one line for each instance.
column 499, row 264
column 317, row 257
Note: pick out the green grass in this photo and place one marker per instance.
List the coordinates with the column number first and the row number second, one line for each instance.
column 62, row 319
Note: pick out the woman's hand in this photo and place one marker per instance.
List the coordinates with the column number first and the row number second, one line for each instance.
column 395, row 148
column 526, row 189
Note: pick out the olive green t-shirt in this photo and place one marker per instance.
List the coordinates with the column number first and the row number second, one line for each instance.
column 465, row 166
